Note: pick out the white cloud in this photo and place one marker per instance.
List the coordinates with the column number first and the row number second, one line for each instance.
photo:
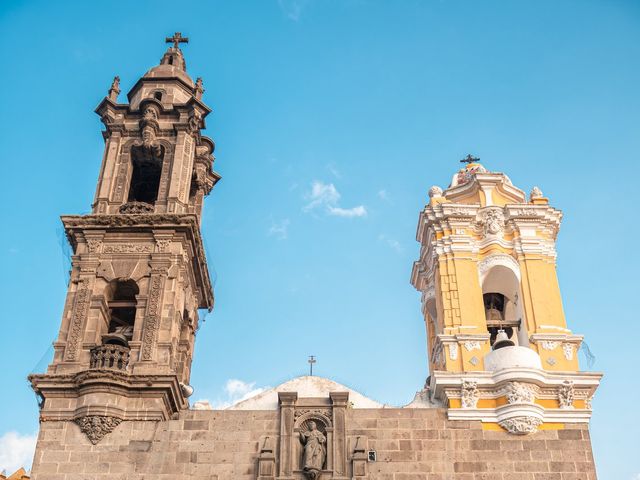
column 358, row 211
column 325, row 196
column 16, row 451
column 234, row 391
column 391, row 243
column 293, row 8
column 280, row 229
column 321, row 194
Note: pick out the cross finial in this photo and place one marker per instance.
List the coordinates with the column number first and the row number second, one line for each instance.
column 177, row 39
column 470, row 159
column 311, row 361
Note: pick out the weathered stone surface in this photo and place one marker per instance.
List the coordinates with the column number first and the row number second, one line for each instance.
column 227, row 445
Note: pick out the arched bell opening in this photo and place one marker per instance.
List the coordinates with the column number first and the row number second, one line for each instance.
column 145, row 178
column 121, row 303
column 501, row 296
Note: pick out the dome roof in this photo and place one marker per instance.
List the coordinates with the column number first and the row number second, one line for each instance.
column 306, row 386
column 172, row 65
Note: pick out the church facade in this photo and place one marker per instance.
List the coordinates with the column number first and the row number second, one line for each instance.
column 505, row 398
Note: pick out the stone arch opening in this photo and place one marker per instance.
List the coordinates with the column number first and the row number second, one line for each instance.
column 501, row 295
column 146, row 175
column 121, row 303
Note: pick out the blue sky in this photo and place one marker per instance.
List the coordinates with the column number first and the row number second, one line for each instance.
column 332, row 118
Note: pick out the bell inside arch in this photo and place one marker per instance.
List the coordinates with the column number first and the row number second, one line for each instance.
column 502, row 340
column 494, row 306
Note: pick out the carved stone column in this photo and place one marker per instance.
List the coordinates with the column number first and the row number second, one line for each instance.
column 339, row 401
column 287, row 402
column 153, row 317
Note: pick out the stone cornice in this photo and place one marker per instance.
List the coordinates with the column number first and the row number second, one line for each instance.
column 151, row 389
column 80, row 224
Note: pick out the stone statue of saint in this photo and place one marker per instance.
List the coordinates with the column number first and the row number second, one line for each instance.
column 314, row 451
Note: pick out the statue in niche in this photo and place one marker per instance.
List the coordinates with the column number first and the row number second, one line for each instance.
column 315, row 451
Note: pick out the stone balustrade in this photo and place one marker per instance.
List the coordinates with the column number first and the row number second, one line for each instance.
column 110, row 356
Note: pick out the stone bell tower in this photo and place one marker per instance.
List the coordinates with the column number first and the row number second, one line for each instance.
column 500, row 349
column 139, row 274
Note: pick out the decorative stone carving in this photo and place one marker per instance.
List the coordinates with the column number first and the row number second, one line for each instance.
column 567, row 349
column 127, row 248
column 134, row 208
column 521, row 425
column 453, row 351
column 535, row 193
column 325, row 412
column 267, row 460
column 429, row 292
column 436, row 354
column 493, row 222
column 315, row 451
column 498, row 259
column 152, row 320
column 474, row 361
column 93, row 245
column 469, row 394
column 162, row 244
column 549, row 344
column 95, row 427
column 472, row 345
column 82, row 298
column 517, row 392
column 359, row 459
column 566, row 394
column 435, row 192
column 551, row 361
column 587, row 402
column 109, row 356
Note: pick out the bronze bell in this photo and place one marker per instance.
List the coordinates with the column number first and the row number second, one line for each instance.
column 502, row 340
column 115, row 339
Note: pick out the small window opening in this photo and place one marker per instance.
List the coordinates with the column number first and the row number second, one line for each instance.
column 158, row 96
column 170, row 60
column 122, row 313
column 145, row 181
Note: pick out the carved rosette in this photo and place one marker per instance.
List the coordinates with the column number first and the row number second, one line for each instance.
column 521, row 425
column 95, row 427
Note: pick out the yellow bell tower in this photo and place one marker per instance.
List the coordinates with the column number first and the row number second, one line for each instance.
column 499, row 347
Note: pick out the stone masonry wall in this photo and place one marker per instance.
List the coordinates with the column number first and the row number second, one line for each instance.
column 411, row 444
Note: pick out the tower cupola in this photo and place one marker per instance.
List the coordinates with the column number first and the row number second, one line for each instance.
column 499, row 347
column 139, row 273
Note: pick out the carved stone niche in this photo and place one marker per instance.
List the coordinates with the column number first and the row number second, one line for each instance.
column 313, row 443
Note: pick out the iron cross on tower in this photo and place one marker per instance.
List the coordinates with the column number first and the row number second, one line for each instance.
column 177, row 39
column 469, row 159
column 312, row 360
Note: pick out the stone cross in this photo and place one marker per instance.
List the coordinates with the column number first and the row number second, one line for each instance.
column 469, row 159
column 177, row 39
column 312, row 360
